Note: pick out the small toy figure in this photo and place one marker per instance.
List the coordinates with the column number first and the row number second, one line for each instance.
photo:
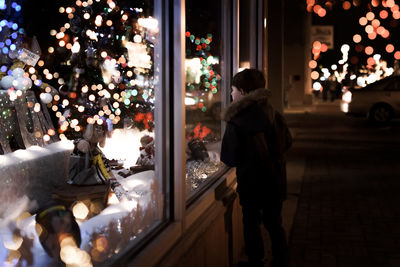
column 146, row 157
column 88, row 164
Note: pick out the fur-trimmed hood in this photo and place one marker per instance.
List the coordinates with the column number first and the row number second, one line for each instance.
column 257, row 98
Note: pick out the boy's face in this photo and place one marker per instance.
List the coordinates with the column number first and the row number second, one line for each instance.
column 236, row 94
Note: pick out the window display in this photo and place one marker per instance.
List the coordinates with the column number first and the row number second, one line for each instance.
column 82, row 72
column 203, row 92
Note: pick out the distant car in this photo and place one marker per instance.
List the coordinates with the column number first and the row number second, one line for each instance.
column 379, row 101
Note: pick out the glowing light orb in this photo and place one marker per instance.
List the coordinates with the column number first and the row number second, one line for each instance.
column 345, row 48
column 317, row 45
column 375, row 3
column 369, row 29
column 346, row 5
column 314, row 75
column 390, row 3
column 369, row 50
column 380, row 30
column 383, row 14
column 370, row 16
column 317, row 86
column 371, row 61
column 386, row 34
column 312, row 64
column 389, row 48
column 372, row 35
column 322, row 12
column 363, row 21
column 357, row 38
column 375, row 23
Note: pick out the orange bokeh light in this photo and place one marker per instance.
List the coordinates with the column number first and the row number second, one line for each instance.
column 370, row 16
column 346, row 5
column 386, row 34
column 317, row 45
column 389, row 48
column 357, row 38
column 375, row 3
column 375, row 23
column 397, row 55
column 390, row 3
column 380, row 30
column 316, row 8
column 363, row 21
column 311, row 2
column 369, row 29
column 372, row 35
column 383, row 14
column 312, row 64
column 314, row 75
column 371, row 61
column 369, row 50
column 322, row 12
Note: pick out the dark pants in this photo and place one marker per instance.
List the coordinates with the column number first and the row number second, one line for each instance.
column 270, row 215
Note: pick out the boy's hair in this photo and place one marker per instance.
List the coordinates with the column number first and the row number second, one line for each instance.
column 248, row 80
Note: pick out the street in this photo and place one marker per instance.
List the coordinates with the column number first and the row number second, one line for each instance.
column 343, row 207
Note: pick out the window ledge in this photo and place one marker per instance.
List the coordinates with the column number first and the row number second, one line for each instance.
column 195, row 210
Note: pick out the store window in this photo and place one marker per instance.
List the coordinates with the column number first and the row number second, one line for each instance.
column 86, row 73
column 203, row 66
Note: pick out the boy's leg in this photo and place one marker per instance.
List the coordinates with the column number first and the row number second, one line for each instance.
column 272, row 220
column 254, row 245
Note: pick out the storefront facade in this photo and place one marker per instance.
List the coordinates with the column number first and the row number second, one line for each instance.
column 135, row 88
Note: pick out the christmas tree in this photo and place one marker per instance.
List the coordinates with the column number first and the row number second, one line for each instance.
column 100, row 63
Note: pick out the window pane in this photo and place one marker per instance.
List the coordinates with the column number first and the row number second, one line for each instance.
column 203, row 92
column 86, row 72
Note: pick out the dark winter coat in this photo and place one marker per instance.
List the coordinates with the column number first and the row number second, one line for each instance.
column 250, row 145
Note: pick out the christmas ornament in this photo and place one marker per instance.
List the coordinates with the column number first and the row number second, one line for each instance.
column 18, row 72
column 46, row 98
column 22, row 83
column 7, row 82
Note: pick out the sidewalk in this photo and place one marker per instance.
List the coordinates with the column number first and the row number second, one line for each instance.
column 347, row 211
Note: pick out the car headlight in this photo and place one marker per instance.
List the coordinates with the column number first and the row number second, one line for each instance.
column 346, row 97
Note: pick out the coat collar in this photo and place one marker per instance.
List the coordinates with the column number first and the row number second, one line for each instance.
column 258, row 96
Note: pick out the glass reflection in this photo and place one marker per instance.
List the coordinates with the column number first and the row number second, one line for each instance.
column 203, row 92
